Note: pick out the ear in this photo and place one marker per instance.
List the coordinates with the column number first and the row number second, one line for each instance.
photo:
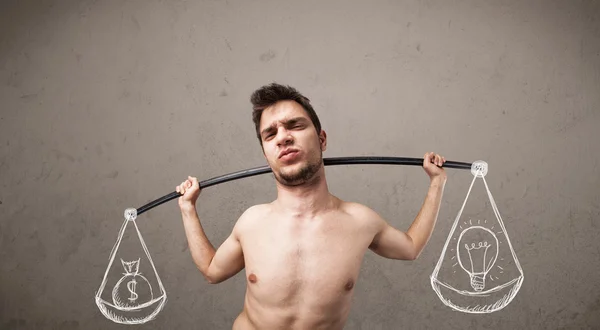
column 323, row 140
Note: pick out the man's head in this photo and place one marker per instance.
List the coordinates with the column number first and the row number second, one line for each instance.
column 285, row 120
column 268, row 95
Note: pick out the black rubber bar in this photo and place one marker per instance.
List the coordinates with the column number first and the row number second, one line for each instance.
column 326, row 161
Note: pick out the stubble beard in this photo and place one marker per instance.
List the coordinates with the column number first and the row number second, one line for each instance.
column 302, row 175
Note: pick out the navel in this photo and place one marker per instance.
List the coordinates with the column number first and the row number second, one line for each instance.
column 252, row 278
column 349, row 285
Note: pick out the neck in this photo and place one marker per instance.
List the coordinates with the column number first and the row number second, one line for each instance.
column 306, row 200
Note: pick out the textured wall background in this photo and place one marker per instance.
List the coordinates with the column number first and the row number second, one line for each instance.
column 110, row 104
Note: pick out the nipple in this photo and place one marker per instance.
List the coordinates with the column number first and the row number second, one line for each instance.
column 252, row 278
column 349, row 285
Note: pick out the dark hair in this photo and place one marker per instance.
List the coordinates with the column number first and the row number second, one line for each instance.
column 270, row 94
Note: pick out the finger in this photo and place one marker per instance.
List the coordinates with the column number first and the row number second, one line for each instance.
column 432, row 157
column 426, row 158
column 438, row 160
column 196, row 184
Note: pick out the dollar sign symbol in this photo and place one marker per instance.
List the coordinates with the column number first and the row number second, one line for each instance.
column 131, row 287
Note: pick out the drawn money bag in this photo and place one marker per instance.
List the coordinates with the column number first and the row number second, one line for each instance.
column 478, row 270
column 133, row 289
column 137, row 295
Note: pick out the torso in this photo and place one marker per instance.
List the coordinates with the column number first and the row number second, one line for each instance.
column 301, row 272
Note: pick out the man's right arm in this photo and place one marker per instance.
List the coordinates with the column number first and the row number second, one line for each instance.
column 215, row 265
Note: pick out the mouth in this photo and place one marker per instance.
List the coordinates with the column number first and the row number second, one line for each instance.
column 288, row 155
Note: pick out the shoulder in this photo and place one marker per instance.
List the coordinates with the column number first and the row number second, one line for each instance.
column 358, row 209
column 364, row 214
column 250, row 216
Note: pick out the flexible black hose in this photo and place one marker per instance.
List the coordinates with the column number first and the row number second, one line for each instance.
column 326, row 161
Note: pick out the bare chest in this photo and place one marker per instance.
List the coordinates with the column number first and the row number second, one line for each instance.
column 291, row 259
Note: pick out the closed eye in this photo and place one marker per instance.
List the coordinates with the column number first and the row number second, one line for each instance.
column 296, row 123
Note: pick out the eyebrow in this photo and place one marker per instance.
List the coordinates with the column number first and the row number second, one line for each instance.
column 286, row 122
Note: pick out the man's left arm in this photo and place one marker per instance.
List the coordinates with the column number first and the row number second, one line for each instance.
column 392, row 243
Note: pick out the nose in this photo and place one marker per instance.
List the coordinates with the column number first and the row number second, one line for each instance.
column 283, row 137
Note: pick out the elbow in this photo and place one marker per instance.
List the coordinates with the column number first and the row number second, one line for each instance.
column 210, row 278
column 408, row 257
column 413, row 255
column 405, row 256
column 416, row 253
column 415, row 250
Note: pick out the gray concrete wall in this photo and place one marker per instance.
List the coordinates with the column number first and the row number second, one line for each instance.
column 110, row 104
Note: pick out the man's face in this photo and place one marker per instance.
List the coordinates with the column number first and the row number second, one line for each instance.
column 286, row 126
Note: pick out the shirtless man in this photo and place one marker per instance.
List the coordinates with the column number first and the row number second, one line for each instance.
column 302, row 252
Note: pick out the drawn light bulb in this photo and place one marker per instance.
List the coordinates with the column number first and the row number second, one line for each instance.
column 477, row 250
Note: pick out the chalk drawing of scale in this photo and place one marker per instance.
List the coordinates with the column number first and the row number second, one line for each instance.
column 132, row 293
column 136, row 294
column 478, row 270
